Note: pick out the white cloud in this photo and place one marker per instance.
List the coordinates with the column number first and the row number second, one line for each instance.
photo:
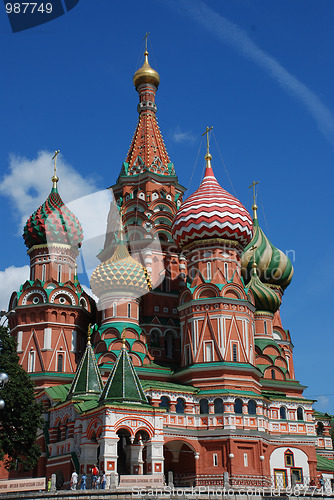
column 28, row 183
column 10, row 280
column 323, row 401
column 230, row 33
column 182, row 137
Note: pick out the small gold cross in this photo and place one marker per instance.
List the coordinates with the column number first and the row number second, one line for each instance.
column 207, row 139
column 145, row 38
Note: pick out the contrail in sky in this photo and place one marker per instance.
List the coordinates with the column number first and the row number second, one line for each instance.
column 230, row 33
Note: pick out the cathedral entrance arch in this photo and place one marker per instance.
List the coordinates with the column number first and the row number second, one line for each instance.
column 123, row 445
column 179, row 458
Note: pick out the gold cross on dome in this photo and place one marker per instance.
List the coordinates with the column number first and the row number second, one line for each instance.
column 253, row 248
column 207, row 139
column 123, row 337
column 254, row 192
column 145, row 38
column 55, row 159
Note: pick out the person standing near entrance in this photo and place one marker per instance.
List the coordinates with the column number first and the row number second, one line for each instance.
column 74, row 481
column 95, row 474
column 82, row 482
column 103, row 480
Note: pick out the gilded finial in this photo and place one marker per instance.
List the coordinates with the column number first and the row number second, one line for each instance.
column 254, row 264
column 254, row 206
column 89, row 333
column 123, row 338
column 146, row 74
column 207, row 156
column 54, row 178
column 145, row 38
column 75, row 277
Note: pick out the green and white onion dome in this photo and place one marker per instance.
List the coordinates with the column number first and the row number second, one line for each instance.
column 273, row 266
column 265, row 297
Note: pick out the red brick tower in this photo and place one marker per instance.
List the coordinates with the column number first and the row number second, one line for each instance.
column 149, row 194
column 50, row 311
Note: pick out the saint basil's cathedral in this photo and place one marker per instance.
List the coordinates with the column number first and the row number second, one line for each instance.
column 186, row 367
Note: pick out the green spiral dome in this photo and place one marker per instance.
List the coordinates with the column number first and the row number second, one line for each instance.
column 273, row 266
column 265, row 298
column 53, row 222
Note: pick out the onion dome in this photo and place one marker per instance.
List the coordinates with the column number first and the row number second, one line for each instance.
column 146, row 74
column 211, row 212
column 120, row 273
column 53, row 222
column 273, row 266
column 265, row 298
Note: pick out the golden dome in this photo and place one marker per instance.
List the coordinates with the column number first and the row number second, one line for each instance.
column 146, row 74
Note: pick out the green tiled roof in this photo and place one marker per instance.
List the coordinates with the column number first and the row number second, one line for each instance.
column 324, row 464
column 123, row 384
column 156, row 385
column 58, row 392
column 87, row 379
column 263, row 343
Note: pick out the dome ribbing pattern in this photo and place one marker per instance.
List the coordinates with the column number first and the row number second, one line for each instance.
column 273, row 266
column 120, row 273
column 265, row 298
column 211, row 212
column 53, row 222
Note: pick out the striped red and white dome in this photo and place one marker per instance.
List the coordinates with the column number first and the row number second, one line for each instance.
column 211, row 212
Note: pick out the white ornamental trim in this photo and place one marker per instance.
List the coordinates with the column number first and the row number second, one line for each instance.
column 63, row 292
column 33, row 292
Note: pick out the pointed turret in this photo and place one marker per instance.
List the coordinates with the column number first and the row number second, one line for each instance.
column 147, row 151
column 87, row 380
column 123, row 384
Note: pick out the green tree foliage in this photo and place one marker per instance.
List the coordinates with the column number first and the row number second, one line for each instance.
column 21, row 416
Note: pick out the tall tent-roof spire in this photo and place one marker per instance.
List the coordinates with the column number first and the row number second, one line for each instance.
column 87, row 380
column 147, row 152
column 123, row 384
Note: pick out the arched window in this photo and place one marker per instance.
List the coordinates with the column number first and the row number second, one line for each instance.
column 164, row 402
column 265, row 327
column 59, row 273
column 155, row 338
column 235, row 352
column 31, row 361
column 43, row 272
column 251, row 407
column 204, row 407
column 300, row 413
column 238, row 406
column 58, row 432
column 66, row 429
column 169, row 344
column 114, row 309
column 179, row 408
column 273, row 374
column 208, row 270
column 60, row 362
column 320, row 429
column 218, row 405
column 226, row 270
column 129, row 310
column 289, row 459
column 282, row 413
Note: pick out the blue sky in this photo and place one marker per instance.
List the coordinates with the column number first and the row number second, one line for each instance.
column 260, row 72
